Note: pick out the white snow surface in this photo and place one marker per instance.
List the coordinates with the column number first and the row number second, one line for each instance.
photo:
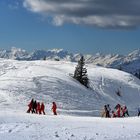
column 50, row 81
column 21, row 126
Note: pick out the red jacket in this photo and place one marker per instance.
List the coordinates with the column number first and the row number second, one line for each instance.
column 38, row 106
column 118, row 112
column 42, row 106
column 30, row 104
column 54, row 107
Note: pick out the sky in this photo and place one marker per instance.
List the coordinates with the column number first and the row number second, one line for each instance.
column 85, row 26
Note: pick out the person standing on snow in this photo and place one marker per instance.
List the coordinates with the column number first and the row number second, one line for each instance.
column 118, row 110
column 38, row 108
column 34, row 108
column 125, row 111
column 104, row 112
column 42, row 109
column 108, row 111
column 54, row 107
column 30, row 105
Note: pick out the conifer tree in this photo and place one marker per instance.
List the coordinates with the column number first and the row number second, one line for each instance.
column 80, row 73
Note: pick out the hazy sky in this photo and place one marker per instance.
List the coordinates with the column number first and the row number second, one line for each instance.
column 86, row 26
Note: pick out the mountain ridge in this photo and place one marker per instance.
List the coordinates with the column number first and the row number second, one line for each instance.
column 129, row 63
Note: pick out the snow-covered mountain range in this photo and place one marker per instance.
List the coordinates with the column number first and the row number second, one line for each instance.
column 129, row 63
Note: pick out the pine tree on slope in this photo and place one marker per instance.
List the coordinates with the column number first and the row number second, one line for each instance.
column 80, row 73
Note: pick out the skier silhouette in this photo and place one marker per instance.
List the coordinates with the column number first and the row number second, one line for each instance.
column 54, row 107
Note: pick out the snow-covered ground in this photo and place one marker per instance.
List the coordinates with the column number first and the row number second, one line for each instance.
column 21, row 126
column 49, row 81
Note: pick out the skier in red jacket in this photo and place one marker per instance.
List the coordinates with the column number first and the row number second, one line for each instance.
column 54, row 107
column 125, row 111
column 38, row 108
column 30, row 105
column 42, row 108
column 118, row 111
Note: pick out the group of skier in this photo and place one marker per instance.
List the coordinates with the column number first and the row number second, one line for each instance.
column 119, row 111
column 39, row 108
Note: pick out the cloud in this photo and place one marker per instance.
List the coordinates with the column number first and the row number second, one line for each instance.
column 99, row 13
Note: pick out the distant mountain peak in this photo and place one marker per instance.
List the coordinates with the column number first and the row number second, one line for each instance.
column 135, row 53
column 129, row 63
column 55, row 50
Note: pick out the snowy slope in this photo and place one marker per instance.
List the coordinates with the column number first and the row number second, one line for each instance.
column 50, row 81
